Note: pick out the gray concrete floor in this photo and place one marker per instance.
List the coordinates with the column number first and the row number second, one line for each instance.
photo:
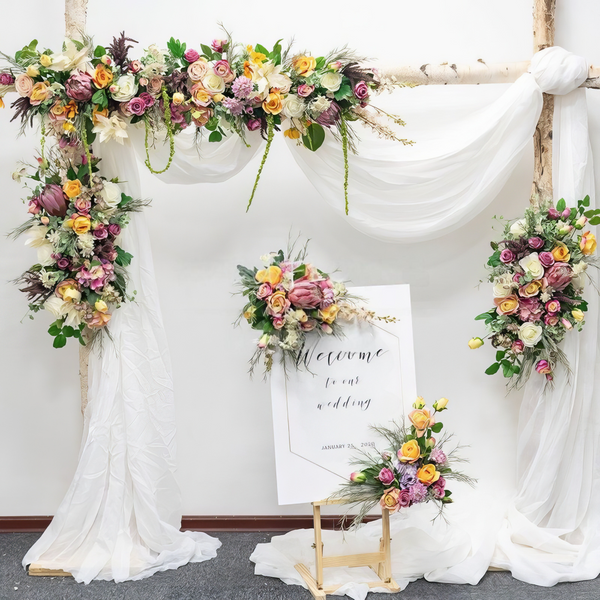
column 230, row 576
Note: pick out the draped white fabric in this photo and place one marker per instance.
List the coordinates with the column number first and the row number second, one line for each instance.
column 121, row 516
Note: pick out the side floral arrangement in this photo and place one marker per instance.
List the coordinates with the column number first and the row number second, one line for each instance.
column 288, row 299
column 221, row 88
column 75, row 224
column 414, row 468
column 538, row 272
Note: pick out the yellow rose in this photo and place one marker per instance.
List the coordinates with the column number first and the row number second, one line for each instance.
column 45, row 60
column 273, row 104
column 292, row 133
column 421, row 419
column 531, row 289
column 329, row 314
column 577, row 314
column 277, row 304
column 272, row 275
column 101, row 306
column 441, row 404
column 305, row 65
column 178, row 98
column 410, row 452
column 427, row 474
column 72, row 188
column 587, row 243
column 561, row 252
column 507, row 306
column 419, row 402
column 102, row 76
column 200, row 95
column 68, row 290
column 389, row 499
column 475, row 343
column 80, row 224
column 32, row 71
column 39, row 93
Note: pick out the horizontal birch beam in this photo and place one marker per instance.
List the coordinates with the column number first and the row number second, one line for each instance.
column 473, row 74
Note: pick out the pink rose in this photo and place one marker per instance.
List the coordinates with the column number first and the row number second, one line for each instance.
column 191, row 55
column 197, row 70
column 536, row 243
column 565, row 214
column 361, row 90
column 404, row 498
column 507, row 256
column 305, row 90
column 552, row 306
column 34, row 207
column 553, row 214
column 155, row 85
column 546, row 259
column 551, row 320
column 253, row 124
column 308, row 325
column 543, row 367
column 305, row 294
column 264, row 290
column 559, row 276
column 223, row 70
column 566, row 323
column 6, row 79
column 114, row 229
column 82, row 205
column 278, row 323
column 24, row 85
column 517, row 346
column 218, row 45
column 136, row 106
column 148, row 99
column 439, row 488
column 135, row 66
column 386, row 476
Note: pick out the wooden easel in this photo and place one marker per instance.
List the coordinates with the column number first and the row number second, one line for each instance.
column 380, row 562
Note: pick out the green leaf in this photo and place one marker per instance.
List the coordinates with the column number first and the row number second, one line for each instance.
column 492, row 369
column 207, row 51
column 314, row 138
column 212, row 124
column 500, row 354
column 483, row 316
column 68, row 331
column 586, row 201
column 55, row 328
column 100, row 99
column 299, row 272
column 59, row 341
column 81, row 340
column 595, row 221
column 507, row 370
column 91, row 136
column 123, row 258
column 447, row 493
column 320, row 62
column 176, row 48
column 125, row 199
column 344, row 92
column 215, row 136
column 71, row 174
column 437, row 427
column 99, row 52
column 561, row 205
column 494, row 259
column 592, row 213
column 262, row 49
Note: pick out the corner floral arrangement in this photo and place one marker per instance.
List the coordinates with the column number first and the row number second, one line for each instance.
column 223, row 88
column 76, row 220
column 538, row 273
column 288, row 299
column 413, row 469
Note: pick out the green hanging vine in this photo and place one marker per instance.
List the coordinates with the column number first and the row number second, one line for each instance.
column 86, row 149
column 169, row 125
column 344, row 133
column 270, row 130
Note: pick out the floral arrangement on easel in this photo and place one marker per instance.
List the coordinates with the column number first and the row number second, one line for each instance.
column 288, row 299
column 88, row 90
column 538, row 272
column 413, row 469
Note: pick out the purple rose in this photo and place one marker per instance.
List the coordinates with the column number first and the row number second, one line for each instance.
column 253, row 124
column 114, row 229
column 52, row 200
column 100, row 233
column 404, row 498
column 546, row 259
column 361, row 90
column 148, row 99
column 79, row 87
column 6, row 79
column 507, row 256
column 559, row 276
column 191, row 56
column 386, row 476
column 553, row 214
column 63, row 263
column 330, row 116
column 536, row 243
column 137, row 106
column 305, row 294
column 438, row 488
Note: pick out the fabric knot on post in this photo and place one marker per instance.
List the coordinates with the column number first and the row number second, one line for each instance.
column 557, row 71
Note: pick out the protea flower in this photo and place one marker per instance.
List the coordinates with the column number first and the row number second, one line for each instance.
column 52, row 199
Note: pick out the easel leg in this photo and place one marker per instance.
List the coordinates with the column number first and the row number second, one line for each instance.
column 318, row 545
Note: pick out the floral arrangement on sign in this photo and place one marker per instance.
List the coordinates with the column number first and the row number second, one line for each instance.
column 414, row 469
column 88, row 90
column 76, row 220
column 538, row 271
column 289, row 299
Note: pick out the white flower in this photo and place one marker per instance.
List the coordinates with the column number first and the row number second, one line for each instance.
column 545, row 296
column 578, row 282
column 532, row 266
column 37, row 236
column 127, row 88
column 287, row 281
column 112, row 128
column 17, row 174
column 48, row 279
column 530, row 334
column 213, row 84
column 85, row 243
column 331, row 81
column 320, row 104
column 294, row 106
column 72, row 59
column 59, row 308
column 111, row 194
column 44, row 255
column 518, row 228
column 54, row 238
column 503, row 286
column 269, row 76
column 339, row 289
column 580, row 267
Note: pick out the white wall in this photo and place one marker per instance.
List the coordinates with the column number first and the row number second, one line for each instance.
column 200, row 233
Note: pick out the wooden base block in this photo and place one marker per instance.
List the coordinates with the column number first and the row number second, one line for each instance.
column 39, row 571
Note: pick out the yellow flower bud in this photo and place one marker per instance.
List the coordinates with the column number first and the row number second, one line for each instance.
column 101, row 306
column 45, row 60
column 218, row 97
column 441, row 404
column 475, row 343
column 577, row 314
column 178, row 98
column 419, row 403
column 32, row 71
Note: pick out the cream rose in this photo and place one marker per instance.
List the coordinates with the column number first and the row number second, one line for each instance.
column 44, row 254
column 532, row 266
column 294, row 106
column 503, row 286
column 56, row 306
column 320, row 104
column 111, row 194
column 213, row 83
column 331, row 81
column 518, row 228
column 127, row 88
column 530, row 334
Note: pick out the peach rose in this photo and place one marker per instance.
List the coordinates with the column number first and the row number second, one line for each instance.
column 68, row 290
column 560, row 252
column 200, row 96
column 58, row 111
column 304, row 65
column 277, row 304
column 272, row 275
column 98, row 320
column 201, row 116
column 330, row 313
column 197, row 70
column 155, row 85
column 273, row 104
column 421, row 419
column 39, row 93
column 389, row 499
column 102, row 76
column 427, row 474
column 24, row 85
column 530, row 289
column 72, row 188
column 507, row 306
column 410, row 452
column 587, row 243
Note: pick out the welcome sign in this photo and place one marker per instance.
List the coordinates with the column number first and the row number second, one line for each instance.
column 323, row 412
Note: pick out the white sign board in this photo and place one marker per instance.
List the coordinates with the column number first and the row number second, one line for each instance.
column 322, row 413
